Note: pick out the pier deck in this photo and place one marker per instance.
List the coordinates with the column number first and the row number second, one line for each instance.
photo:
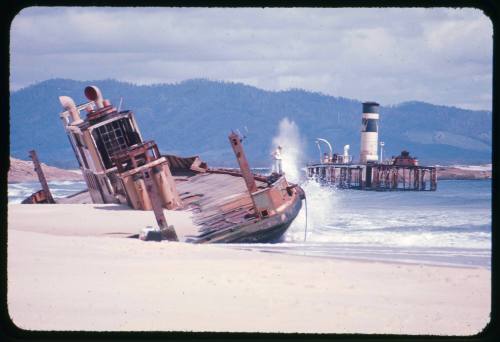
column 375, row 176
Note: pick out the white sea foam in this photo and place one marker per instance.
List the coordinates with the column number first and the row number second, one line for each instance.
column 57, row 183
column 17, row 192
column 454, row 216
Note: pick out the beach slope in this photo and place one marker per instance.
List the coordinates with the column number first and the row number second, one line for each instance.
column 67, row 271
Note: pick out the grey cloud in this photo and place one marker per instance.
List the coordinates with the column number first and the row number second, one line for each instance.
column 389, row 55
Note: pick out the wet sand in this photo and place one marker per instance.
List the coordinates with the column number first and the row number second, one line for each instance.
column 67, row 272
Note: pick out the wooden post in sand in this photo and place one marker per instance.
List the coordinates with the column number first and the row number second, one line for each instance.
column 41, row 177
column 167, row 232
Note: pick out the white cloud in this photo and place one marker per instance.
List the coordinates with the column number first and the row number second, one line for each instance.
column 441, row 55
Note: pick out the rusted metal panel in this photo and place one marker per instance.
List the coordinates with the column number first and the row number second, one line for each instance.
column 179, row 164
column 247, row 174
column 132, row 162
column 38, row 197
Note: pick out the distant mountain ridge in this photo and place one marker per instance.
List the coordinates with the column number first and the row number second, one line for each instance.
column 195, row 117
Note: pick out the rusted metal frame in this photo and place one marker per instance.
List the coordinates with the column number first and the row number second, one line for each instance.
column 235, row 141
column 132, row 153
column 87, row 125
column 134, row 150
column 167, row 231
column 41, row 177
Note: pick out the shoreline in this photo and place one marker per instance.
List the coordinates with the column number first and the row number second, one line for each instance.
column 393, row 262
column 21, row 171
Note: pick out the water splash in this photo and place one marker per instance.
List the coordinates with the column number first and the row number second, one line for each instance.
column 292, row 144
column 322, row 205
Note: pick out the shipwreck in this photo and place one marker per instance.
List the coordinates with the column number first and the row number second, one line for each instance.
column 119, row 166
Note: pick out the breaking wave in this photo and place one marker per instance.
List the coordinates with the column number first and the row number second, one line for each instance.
column 17, row 192
column 398, row 218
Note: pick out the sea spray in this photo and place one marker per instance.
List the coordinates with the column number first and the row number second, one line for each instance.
column 322, row 204
column 321, row 200
column 288, row 137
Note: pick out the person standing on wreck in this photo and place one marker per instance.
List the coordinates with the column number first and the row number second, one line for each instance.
column 277, row 160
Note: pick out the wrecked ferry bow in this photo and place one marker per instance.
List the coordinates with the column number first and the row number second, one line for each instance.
column 120, row 167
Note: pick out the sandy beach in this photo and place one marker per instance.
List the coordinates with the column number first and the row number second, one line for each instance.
column 70, row 267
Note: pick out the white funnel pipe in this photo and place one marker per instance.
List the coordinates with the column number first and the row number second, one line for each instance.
column 69, row 105
column 346, row 150
column 94, row 94
column 346, row 153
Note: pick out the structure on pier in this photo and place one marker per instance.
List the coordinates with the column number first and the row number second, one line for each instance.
column 400, row 173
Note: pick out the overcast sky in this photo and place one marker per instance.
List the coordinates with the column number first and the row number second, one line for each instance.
column 441, row 56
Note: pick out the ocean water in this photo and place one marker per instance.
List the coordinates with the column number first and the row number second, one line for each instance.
column 451, row 226
column 17, row 192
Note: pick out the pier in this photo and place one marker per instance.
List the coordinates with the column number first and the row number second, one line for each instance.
column 378, row 177
column 372, row 172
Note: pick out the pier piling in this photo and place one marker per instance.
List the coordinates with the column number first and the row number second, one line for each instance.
column 375, row 176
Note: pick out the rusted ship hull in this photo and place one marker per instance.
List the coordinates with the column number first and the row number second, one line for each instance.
column 268, row 230
column 225, row 212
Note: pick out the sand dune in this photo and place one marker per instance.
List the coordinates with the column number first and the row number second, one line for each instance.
column 463, row 172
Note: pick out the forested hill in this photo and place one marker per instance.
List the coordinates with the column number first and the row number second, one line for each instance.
column 195, row 117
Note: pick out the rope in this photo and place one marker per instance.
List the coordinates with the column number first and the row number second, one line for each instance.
column 305, row 230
